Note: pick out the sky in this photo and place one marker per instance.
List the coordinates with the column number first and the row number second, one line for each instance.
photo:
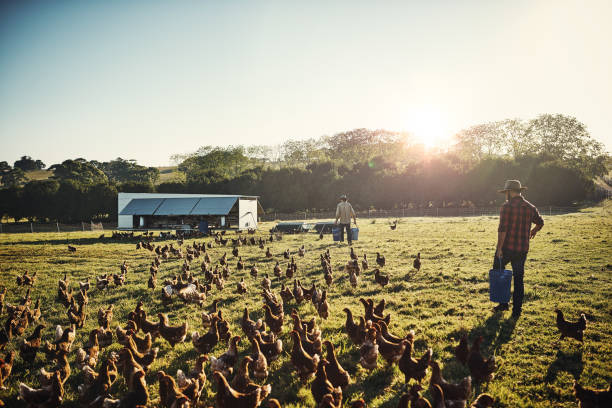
column 148, row 79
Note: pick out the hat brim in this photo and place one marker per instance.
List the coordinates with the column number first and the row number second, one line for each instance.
column 511, row 189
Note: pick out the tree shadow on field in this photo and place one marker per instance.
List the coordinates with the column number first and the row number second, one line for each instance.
column 570, row 362
column 73, row 241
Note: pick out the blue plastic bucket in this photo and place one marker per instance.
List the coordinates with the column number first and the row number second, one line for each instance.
column 499, row 285
column 355, row 233
column 336, row 233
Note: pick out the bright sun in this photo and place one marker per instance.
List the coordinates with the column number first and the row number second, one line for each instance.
column 427, row 126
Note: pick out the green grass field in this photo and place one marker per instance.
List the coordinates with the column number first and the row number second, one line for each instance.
column 569, row 267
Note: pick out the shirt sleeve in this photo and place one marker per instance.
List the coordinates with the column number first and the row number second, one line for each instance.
column 504, row 219
column 537, row 218
column 352, row 212
column 338, row 211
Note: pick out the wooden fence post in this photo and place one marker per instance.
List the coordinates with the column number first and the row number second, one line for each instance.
column 83, row 226
column 31, row 228
column 57, row 224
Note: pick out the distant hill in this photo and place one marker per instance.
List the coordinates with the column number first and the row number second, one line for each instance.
column 166, row 174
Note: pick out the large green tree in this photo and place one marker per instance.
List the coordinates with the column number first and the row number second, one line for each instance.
column 78, row 170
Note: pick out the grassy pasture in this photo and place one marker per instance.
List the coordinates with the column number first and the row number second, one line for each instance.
column 569, row 267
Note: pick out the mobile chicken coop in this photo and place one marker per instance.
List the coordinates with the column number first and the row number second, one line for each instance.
column 151, row 211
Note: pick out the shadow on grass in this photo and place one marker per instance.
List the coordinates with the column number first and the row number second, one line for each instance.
column 74, row 241
column 570, row 362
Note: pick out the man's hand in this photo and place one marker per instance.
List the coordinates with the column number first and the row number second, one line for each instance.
column 533, row 233
column 499, row 253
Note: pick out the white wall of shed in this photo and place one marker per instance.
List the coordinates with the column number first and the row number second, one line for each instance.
column 247, row 210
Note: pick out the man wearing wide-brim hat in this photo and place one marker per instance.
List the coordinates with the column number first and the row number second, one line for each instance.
column 514, row 233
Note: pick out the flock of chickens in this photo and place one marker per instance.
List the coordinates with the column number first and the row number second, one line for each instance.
column 238, row 383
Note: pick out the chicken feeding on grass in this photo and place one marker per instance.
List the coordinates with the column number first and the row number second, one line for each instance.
column 6, row 367
column 416, row 264
column 380, row 260
column 369, row 350
column 481, row 369
column 575, row 330
column 304, row 363
column 172, row 334
column 337, row 375
column 382, row 280
column 227, row 397
column 205, row 343
column 462, row 350
column 452, row 392
column 46, row 397
column 592, row 398
column 410, row 366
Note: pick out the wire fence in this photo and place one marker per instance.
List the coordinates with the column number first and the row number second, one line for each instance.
column 32, row 227
column 24, row 227
column 408, row 212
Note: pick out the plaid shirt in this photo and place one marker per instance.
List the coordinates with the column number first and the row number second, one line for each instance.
column 515, row 218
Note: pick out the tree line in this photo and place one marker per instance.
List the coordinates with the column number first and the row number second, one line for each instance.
column 553, row 155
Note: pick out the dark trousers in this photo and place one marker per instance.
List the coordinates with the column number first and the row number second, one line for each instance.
column 517, row 260
column 349, row 233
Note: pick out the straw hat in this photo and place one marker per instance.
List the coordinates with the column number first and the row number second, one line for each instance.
column 512, row 185
column 343, row 197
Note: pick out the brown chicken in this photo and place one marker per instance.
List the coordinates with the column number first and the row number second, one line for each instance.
column 46, row 377
column 97, row 384
column 368, row 307
column 304, row 363
column 226, row 362
column 192, row 384
column 227, row 397
column 272, row 349
column 369, row 350
column 249, row 326
column 589, row 398
column 380, row 260
column 391, row 352
column 451, row 391
column 411, row 367
column 145, row 359
column 6, row 366
column 356, row 332
column 274, row 322
column 241, row 287
column 204, row 344
column 337, row 375
column 414, row 396
column 462, row 350
column 417, row 262
column 242, row 381
column 105, row 317
column 46, row 397
column 88, row 357
column 30, row 345
column 260, row 364
column 483, row 401
column 137, row 395
column 481, row 369
column 172, row 334
column 321, row 386
column 169, row 394
column 382, row 280
column 575, row 330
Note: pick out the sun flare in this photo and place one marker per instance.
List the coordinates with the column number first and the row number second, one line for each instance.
column 427, row 127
